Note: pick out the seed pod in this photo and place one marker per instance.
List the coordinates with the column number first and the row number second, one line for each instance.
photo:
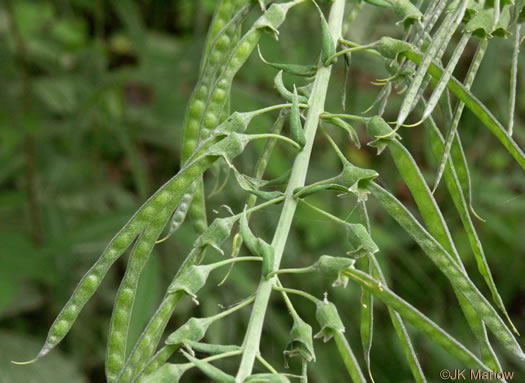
column 168, row 373
column 329, row 320
column 191, row 281
column 216, row 234
column 300, row 341
column 357, row 179
column 283, row 91
column 346, row 127
column 257, row 246
column 193, row 330
column 296, row 128
column 210, row 370
column 213, row 349
column 479, row 109
column 273, row 18
column 327, row 41
column 449, row 267
column 407, row 12
column 267, row 378
column 417, row 319
column 248, row 237
column 397, row 71
column 230, row 147
column 236, row 123
column 332, row 268
column 378, row 127
column 281, row 180
column 294, row 69
column 391, row 48
column 251, row 185
column 360, row 240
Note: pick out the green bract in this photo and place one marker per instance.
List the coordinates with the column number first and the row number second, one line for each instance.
column 406, row 11
column 360, row 241
column 332, row 268
column 191, row 281
column 329, row 321
column 391, row 48
column 300, row 341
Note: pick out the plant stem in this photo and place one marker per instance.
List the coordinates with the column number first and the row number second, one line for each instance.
column 351, row 364
column 297, row 179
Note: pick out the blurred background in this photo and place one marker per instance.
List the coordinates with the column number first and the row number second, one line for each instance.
column 92, row 100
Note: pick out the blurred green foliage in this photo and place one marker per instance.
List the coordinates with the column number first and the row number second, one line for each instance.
column 91, row 105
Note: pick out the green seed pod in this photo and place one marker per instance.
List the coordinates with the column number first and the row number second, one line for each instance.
column 191, row 281
column 281, row 180
column 267, row 378
column 248, row 237
column 346, row 127
column 257, row 246
column 332, row 268
column 357, row 179
column 216, row 234
column 283, row 91
column 378, row 128
column 193, row 330
column 273, row 18
column 305, row 191
column 210, row 370
column 400, row 72
column 268, row 256
column 230, row 147
column 251, row 185
column 213, row 349
column 407, row 12
column 296, row 128
column 391, row 48
column 327, row 41
column 168, row 373
column 329, row 320
column 300, row 341
column 294, row 69
column 306, row 90
column 360, row 240
column 237, row 122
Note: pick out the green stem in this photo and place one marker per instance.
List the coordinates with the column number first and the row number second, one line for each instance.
column 351, row 364
column 244, row 303
column 300, row 270
column 297, row 292
column 265, row 363
column 275, row 107
column 232, row 260
column 345, row 116
column 349, row 50
column 297, row 179
column 276, row 136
